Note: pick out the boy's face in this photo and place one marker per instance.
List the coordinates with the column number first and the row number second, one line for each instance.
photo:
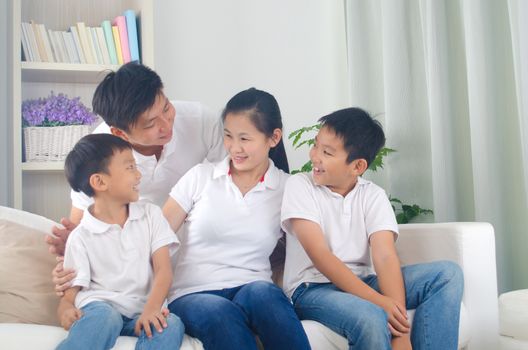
column 123, row 177
column 154, row 126
column 330, row 168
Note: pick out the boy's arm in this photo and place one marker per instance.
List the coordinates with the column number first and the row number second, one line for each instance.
column 174, row 214
column 152, row 312
column 311, row 237
column 67, row 311
column 388, row 269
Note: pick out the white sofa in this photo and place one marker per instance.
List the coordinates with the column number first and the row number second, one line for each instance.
column 25, row 268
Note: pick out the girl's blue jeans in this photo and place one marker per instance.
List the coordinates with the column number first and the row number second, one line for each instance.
column 101, row 324
column 434, row 290
column 230, row 318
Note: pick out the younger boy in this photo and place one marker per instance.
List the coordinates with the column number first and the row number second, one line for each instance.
column 332, row 217
column 111, row 250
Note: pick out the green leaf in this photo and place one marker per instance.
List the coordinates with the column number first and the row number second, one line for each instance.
column 378, row 160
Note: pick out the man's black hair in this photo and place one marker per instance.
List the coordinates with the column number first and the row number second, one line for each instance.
column 124, row 95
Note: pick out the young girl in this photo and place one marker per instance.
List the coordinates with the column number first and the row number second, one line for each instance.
column 230, row 212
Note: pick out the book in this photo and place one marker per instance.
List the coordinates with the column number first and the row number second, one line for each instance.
column 32, row 42
column 47, row 46
column 55, row 46
column 87, row 48
column 28, row 55
column 70, row 47
column 109, row 38
column 78, row 46
column 39, row 41
column 115, row 34
column 63, row 48
column 120, row 22
column 95, row 45
column 133, row 44
column 102, row 44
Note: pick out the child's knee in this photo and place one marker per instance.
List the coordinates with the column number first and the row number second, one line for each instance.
column 175, row 324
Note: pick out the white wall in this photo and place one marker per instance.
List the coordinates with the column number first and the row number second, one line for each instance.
column 5, row 129
column 295, row 49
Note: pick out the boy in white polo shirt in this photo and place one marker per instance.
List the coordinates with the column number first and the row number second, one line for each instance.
column 332, row 217
column 121, row 252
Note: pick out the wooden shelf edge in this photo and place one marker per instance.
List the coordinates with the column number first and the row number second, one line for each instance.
column 42, row 166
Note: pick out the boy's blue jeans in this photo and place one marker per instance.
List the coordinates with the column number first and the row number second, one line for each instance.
column 433, row 289
column 230, row 318
column 101, row 324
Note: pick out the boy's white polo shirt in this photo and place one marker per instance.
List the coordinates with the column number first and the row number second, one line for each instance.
column 113, row 264
column 227, row 238
column 347, row 223
column 197, row 136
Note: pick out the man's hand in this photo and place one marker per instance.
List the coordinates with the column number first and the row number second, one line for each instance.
column 158, row 318
column 57, row 243
column 397, row 315
column 69, row 316
column 62, row 277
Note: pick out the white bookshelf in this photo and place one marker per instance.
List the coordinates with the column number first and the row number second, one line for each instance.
column 40, row 187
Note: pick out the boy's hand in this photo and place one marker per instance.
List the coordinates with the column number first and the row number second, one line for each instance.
column 151, row 316
column 57, row 243
column 397, row 315
column 401, row 343
column 62, row 277
column 69, row 316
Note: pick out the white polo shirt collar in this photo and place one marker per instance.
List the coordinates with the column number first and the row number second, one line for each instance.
column 94, row 225
column 360, row 182
column 271, row 177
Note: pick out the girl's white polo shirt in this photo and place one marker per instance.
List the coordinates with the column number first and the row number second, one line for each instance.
column 113, row 264
column 347, row 223
column 197, row 135
column 227, row 238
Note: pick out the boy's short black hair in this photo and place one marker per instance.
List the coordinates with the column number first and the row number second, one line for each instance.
column 362, row 136
column 89, row 156
column 124, row 95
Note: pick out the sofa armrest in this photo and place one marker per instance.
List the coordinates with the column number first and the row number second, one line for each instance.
column 472, row 246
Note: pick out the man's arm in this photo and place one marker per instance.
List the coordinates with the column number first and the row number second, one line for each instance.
column 311, row 237
column 67, row 311
column 152, row 312
column 57, row 242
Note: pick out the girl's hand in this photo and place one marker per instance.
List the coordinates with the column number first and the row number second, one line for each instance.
column 69, row 316
column 62, row 277
column 151, row 316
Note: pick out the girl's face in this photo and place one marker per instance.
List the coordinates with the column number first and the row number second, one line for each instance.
column 246, row 145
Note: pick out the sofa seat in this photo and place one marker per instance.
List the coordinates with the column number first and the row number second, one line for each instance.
column 28, row 304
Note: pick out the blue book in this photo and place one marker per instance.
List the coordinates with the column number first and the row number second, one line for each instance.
column 109, row 38
column 133, row 44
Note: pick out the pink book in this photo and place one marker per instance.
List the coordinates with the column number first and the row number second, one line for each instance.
column 120, row 22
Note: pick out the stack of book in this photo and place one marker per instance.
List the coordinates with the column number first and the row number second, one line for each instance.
column 113, row 42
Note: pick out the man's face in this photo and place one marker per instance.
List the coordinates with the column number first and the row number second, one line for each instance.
column 154, row 126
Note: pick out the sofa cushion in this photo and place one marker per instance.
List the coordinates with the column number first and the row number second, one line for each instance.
column 26, row 289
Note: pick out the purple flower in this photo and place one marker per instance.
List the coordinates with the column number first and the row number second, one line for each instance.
column 56, row 110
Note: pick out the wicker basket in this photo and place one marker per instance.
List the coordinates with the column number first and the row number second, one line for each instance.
column 44, row 144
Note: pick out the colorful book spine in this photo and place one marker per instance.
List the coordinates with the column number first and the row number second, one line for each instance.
column 120, row 22
column 133, row 43
column 117, row 41
column 107, row 29
column 78, row 46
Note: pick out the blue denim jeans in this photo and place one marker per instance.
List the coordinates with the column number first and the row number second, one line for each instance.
column 230, row 318
column 101, row 324
column 434, row 290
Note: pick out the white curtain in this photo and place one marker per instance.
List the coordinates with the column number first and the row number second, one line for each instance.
column 449, row 80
